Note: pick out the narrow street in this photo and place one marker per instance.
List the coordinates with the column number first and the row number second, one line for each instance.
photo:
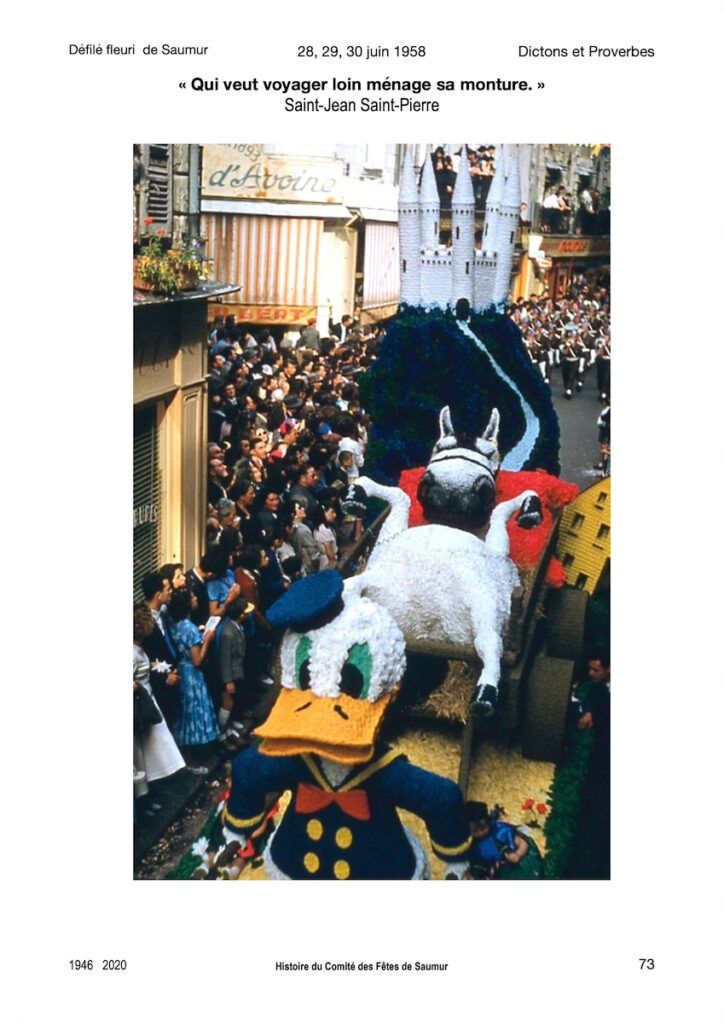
column 579, row 435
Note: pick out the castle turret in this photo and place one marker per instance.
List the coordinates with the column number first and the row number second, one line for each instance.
column 508, row 220
column 463, row 233
column 486, row 263
column 492, row 205
column 429, row 207
column 409, row 223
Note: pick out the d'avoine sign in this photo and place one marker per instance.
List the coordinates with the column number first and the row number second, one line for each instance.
column 244, row 171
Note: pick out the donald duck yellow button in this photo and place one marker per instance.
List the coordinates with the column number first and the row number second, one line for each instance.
column 341, row 869
column 315, row 829
column 343, row 838
column 311, row 863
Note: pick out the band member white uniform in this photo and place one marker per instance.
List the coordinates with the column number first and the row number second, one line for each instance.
column 570, row 362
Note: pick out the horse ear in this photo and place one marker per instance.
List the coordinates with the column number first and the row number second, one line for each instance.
column 491, row 431
column 446, row 427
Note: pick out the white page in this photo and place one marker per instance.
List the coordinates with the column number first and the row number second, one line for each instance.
column 557, row 953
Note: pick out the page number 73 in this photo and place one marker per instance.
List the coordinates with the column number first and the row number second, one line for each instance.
column 646, row 963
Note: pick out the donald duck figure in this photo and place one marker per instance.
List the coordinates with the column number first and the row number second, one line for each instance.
column 342, row 662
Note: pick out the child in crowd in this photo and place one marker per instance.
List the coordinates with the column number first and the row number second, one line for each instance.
column 499, row 849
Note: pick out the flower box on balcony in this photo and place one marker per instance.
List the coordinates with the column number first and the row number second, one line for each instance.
column 139, row 285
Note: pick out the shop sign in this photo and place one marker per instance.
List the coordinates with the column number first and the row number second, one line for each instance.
column 244, row 171
column 576, row 246
column 264, row 314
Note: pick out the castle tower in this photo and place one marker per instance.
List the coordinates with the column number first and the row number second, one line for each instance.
column 486, row 262
column 492, row 205
column 409, row 221
column 463, row 233
column 429, row 207
column 508, row 220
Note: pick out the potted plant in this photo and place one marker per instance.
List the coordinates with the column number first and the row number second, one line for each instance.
column 190, row 263
column 151, row 270
column 168, row 272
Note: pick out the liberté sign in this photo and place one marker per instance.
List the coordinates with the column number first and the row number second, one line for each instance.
column 243, row 170
column 260, row 314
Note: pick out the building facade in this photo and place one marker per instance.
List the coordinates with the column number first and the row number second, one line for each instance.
column 558, row 247
column 307, row 231
column 169, row 371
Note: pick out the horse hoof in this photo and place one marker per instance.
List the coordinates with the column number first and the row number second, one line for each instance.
column 531, row 513
column 485, row 700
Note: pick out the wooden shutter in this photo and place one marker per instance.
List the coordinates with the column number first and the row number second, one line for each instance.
column 157, row 195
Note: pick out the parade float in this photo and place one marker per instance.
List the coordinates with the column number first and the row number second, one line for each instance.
column 452, row 346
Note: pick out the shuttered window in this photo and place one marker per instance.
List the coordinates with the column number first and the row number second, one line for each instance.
column 157, row 195
column 146, row 496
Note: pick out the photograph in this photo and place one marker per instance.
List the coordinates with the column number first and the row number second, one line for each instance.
column 371, row 511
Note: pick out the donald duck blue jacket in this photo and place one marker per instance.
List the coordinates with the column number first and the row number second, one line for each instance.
column 351, row 831
column 341, row 666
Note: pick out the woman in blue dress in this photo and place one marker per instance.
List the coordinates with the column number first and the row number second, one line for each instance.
column 196, row 723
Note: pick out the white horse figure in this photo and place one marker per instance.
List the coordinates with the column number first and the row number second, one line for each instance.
column 458, row 486
column 441, row 583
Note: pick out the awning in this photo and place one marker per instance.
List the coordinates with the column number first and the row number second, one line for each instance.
column 205, row 290
column 259, row 208
column 381, row 216
column 274, row 260
column 553, row 166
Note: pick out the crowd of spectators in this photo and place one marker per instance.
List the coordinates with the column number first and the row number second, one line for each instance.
column 286, row 442
column 562, row 214
column 482, row 168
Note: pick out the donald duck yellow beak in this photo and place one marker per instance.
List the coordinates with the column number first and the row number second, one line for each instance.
column 343, row 728
column 342, row 664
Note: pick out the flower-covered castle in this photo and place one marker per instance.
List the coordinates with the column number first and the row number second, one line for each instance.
column 432, row 274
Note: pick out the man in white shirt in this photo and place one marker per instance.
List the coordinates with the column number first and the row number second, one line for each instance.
column 342, row 329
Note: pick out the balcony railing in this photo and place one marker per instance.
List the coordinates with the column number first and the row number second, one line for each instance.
column 575, row 223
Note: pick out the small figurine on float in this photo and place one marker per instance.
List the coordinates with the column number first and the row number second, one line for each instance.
column 342, row 660
column 500, row 850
